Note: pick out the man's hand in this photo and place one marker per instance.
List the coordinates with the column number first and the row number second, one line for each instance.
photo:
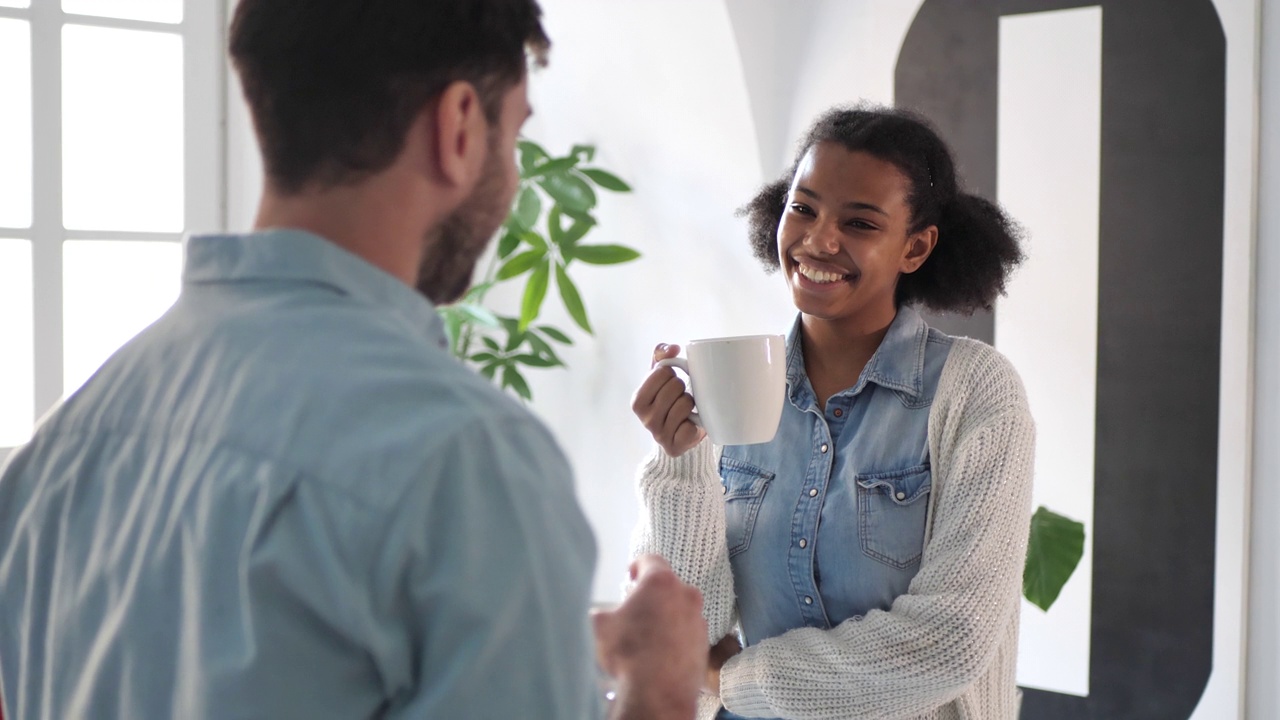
column 720, row 654
column 655, row 645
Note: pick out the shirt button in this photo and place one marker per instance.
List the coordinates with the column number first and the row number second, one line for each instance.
column 823, row 448
column 804, row 543
column 724, row 489
column 901, row 495
column 838, row 412
column 808, row 600
column 813, row 492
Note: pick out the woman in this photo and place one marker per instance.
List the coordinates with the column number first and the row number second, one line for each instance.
column 871, row 554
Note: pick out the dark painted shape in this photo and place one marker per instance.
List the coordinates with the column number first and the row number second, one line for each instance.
column 1159, row 322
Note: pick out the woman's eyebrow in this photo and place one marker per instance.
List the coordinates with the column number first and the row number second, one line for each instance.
column 848, row 206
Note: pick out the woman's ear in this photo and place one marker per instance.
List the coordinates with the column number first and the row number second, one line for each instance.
column 918, row 248
column 460, row 140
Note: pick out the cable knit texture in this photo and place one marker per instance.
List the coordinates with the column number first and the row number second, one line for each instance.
column 948, row 647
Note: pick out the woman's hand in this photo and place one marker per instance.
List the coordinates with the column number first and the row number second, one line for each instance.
column 663, row 406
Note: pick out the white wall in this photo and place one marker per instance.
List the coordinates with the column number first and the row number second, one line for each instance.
column 1263, row 687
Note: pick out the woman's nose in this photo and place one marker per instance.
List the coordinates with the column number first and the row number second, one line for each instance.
column 823, row 238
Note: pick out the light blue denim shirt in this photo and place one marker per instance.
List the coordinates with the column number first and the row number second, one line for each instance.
column 827, row 521
column 285, row 499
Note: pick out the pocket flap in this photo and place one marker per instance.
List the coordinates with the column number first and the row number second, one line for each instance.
column 742, row 480
column 903, row 487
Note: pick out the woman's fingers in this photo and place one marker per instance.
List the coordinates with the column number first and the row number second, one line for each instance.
column 663, row 406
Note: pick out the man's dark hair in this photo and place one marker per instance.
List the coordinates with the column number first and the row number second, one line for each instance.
column 333, row 85
column 978, row 244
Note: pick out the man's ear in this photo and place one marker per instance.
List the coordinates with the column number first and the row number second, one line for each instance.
column 919, row 246
column 460, row 137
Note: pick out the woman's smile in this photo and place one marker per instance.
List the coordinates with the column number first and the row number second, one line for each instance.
column 813, row 276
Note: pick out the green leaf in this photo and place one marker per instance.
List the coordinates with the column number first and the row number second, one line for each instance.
column 579, row 229
column 1053, row 552
column 531, row 153
column 543, row 349
column 508, row 244
column 555, row 334
column 476, row 292
column 570, row 191
column 491, row 344
column 513, row 379
column 563, row 238
column 605, row 179
column 520, row 264
column 572, row 299
column 528, row 208
column 604, row 254
column 533, row 360
column 477, row 313
column 515, row 336
column 552, row 167
column 490, row 370
column 452, row 327
column 555, row 226
column 534, row 293
column 535, row 239
column 483, row 357
column 586, row 152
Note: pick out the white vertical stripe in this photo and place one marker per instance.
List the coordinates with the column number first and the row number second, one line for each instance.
column 1049, row 149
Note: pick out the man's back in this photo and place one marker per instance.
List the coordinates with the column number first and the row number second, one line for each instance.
column 285, row 499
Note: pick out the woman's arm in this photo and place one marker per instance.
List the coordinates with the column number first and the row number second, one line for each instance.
column 682, row 519
column 961, row 608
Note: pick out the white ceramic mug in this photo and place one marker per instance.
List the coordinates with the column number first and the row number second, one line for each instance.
column 738, row 386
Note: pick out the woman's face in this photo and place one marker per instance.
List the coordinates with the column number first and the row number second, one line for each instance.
column 843, row 239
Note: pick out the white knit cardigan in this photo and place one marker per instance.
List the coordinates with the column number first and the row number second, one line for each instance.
column 948, row 647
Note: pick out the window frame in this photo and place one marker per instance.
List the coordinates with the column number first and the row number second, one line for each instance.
column 202, row 30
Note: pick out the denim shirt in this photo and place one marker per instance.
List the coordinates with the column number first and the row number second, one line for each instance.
column 826, row 522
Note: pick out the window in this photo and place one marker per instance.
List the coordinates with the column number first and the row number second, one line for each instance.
column 110, row 152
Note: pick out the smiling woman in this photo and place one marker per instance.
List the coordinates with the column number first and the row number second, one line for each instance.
column 875, row 567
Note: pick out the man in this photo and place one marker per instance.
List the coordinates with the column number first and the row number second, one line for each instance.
column 285, row 499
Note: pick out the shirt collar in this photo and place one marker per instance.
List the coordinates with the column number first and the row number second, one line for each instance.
column 898, row 364
column 289, row 255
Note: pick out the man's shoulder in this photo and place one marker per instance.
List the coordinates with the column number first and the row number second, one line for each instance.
column 341, row 394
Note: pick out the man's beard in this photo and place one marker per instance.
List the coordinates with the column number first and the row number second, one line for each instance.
column 455, row 245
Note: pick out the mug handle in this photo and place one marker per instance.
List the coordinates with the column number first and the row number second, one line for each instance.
column 681, row 364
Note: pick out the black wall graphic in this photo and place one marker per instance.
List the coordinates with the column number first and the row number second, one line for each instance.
column 1159, row 322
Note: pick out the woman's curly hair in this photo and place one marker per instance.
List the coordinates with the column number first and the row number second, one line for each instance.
column 978, row 244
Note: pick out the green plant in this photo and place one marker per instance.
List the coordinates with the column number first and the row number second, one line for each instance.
column 542, row 238
column 1053, row 553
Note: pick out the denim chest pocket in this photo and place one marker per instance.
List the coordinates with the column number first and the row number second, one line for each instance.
column 744, row 489
column 892, row 510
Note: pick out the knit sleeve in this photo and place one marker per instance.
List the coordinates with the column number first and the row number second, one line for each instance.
column 682, row 519
column 940, row 637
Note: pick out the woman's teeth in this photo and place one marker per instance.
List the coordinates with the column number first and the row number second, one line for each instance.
column 818, row 276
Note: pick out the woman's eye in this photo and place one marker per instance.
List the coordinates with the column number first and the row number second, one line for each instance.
column 802, row 209
column 861, row 225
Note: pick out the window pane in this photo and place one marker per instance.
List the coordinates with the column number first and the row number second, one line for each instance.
column 17, row 363
column 122, row 134
column 166, row 11
column 15, row 3
column 15, row 123
column 111, row 291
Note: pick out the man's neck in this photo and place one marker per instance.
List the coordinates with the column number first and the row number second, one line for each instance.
column 377, row 221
